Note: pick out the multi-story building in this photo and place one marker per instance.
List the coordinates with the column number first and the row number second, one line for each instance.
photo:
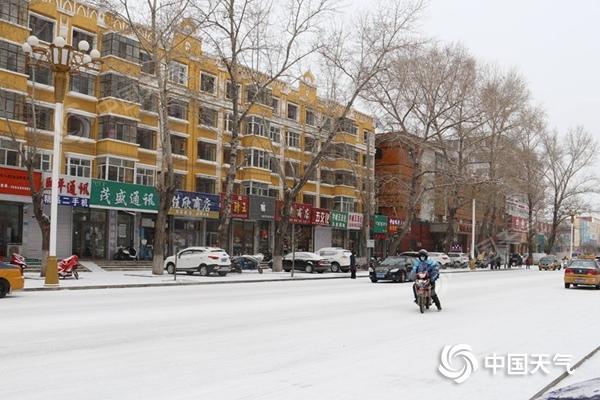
column 110, row 144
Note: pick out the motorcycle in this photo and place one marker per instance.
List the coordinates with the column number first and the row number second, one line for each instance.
column 17, row 259
column 239, row 263
column 423, row 289
column 67, row 268
column 125, row 254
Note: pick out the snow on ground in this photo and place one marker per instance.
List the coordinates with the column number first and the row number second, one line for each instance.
column 321, row 339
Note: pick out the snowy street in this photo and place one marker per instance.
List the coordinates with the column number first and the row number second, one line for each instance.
column 323, row 339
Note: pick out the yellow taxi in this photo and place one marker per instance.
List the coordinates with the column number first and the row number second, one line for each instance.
column 11, row 278
column 582, row 272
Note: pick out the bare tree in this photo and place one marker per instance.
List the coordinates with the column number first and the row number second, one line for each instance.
column 162, row 30
column 568, row 175
column 259, row 43
column 30, row 159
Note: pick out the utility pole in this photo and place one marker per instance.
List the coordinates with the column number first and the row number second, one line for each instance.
column 473, row 231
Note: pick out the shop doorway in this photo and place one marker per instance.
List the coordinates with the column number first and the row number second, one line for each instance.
column 11, row 221
column 89, row 233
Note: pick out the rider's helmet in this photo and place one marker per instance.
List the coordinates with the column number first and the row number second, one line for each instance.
column 423, row 254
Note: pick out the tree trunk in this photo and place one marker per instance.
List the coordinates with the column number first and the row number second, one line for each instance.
column 281, row 233
column 160, row 234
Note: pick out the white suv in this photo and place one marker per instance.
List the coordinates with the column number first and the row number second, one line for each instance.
column 442, row 259
column 337, row 256
column 205, row 260
column 459, row 260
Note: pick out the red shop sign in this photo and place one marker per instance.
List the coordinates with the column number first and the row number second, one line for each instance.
column 239, row 206
column 299, row 214
column 15, row 181
column 320, row 216
column 394, row 225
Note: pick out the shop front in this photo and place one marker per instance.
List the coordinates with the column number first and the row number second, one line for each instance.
column 262, row 213
column 300, row 226
column 355, row 225
column 321, row 220
column 242, row 230
column 190, row 214
column 339, row 229
column 117, row 213
column 15, row 195
column 380, row 229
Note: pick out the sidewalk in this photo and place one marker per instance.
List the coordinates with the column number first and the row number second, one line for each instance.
column 101, row 279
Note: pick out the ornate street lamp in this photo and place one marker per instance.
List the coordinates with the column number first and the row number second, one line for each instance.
column 62, row 59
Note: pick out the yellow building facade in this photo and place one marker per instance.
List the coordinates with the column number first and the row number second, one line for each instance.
column 111, row 135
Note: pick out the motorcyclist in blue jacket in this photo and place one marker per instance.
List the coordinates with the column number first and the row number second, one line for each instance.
column 432, row 269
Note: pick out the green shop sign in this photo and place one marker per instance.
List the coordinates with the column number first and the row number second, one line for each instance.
column 380, row 224
column 338, row 219
column 123, row 196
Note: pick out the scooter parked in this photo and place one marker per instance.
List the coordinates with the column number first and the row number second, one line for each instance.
column 17, row 259
column 67, row 268
column 125, row 254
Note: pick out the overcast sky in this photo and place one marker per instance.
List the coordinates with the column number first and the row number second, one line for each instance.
column 554, row 44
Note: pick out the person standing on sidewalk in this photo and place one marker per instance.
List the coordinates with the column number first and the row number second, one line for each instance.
column 352, row 265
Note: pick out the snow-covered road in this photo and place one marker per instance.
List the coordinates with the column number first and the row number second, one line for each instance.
column 330, row 339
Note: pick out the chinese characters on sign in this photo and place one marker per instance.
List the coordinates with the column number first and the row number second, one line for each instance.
column 320, row 216
column 118, row 195
column 299, row 214
column 192, row 204
column 339, row 219
column 15, row 181
column 394, row 225
column 73, row 191
column 239, row 206
column 355, row 221
column 380, row 224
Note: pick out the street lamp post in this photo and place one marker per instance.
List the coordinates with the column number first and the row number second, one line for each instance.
column 62, row 59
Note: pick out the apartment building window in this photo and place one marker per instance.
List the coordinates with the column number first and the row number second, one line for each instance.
column 178, row 73
column 327, row 177
column 309, row 144
column 41, row 27
column 292, row 111
column 274, row 164
column 229, row 89
column 274, row 192
column 120, row 46
column 42, row 162
column 144, row 176
column 12, row 57
column 178, row 145
column 347, row 125
column 78, row 125
column 79, row 35
column 116, row 169
column 14, row 11
column 259, row 95
column 255, row 126
column 345, row 178
column 274, row 133
column 313, row 175
column 180, row 181
column 310, row 117
column 117, row 128
column 208, row 117
column 177, row 109
column 39, row 74
column 119, row 86
column 228, row 122
column 226, row 153
column 9, row 152
column 12, row 105
column 309, row 199
column 147, row 65
column 292, row 139
column 205, row 185
column 255, row 188
column 148, row 100
column 275, row 105
column 207, row 151
column 79, row 167
column 257, row 158
column 146, row 138
column 44, row 117
column 292, row 169
column 343, row 203
column 326, row 202
column 83, row 83
column 208, row 83
column 366, row 135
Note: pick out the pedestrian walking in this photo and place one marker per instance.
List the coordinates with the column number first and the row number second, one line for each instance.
column 352, row 266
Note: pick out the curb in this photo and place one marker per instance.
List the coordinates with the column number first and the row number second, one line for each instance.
column 221, row 282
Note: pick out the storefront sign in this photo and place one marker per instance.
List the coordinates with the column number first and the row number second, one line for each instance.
column 320, row 216
column 339, row 219
column 380, row 223
column 262, row 208
column 118, row 195
column 15, row 181
column 193, row 204
column 394, row 225
column 73, row 191
column 239, row 206
column 299, row 214
column 355, row 221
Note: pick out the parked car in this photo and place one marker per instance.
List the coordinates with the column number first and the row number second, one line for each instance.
column 305, row 261
column 11, row 278
column 244, row 262
column 515, row 259
column 442, row 259
column 582, row 273
column 459, row 260
column 337, row 256
column 393, row 268
column 205, row 260
column 549, row 263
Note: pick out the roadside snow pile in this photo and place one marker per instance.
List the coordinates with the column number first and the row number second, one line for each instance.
column 586, row 390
